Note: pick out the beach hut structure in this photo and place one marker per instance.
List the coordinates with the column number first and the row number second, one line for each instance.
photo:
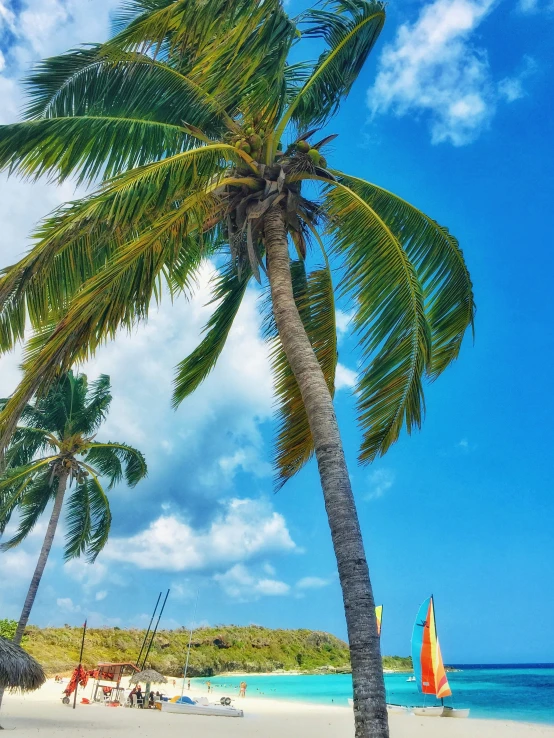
column 108, row 680
column 18, row 670
column 149, row 677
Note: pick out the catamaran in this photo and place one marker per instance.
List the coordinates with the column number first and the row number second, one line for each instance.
column 428, row 665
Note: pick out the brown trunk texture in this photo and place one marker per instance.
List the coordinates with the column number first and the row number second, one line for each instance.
column 370, row 710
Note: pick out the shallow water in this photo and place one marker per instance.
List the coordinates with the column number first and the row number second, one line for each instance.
column 502, row 692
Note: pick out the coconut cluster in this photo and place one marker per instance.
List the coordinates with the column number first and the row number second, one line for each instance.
column 317, row 159
column 250, row 140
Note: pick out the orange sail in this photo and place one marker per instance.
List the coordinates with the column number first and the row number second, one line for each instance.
column 426, row 654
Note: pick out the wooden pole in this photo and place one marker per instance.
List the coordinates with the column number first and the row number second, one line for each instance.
column 80, row 663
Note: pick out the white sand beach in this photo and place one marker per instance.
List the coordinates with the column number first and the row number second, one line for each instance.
column 42, row 714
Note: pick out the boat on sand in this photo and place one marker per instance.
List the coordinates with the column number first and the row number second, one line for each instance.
column 187, row 706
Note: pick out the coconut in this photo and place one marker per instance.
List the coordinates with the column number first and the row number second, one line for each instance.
column 323, row 162
column 302, row 146
column 314, row 156
column 255, row 141
column 245, row 146
column 249, row 130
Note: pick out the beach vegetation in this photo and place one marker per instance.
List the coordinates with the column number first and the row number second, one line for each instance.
column 214, row 650
column 189, row 122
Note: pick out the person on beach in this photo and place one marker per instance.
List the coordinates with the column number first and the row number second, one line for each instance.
column 242, row 689
column 209, row 684
column 188, row 687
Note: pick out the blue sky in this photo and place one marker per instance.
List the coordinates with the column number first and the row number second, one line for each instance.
column 454, row 113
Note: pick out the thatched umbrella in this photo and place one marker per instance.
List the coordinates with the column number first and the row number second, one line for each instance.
column 18, row 670
column 150, row 677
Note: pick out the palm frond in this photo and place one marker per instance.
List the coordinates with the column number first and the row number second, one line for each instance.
column 78, row 521
column 314, row 297
column 115, row 461
column 440, row 266
column 390, row 320
column 350, row 29
column 97, row 405
column 228, row 291
column 148, row 204
column 88, row 145
column 89, row 520
column 31, row 503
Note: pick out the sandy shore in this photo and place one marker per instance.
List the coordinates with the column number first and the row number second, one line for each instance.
column 42, row 714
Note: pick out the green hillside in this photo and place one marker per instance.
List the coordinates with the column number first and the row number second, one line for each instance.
column 214, row 650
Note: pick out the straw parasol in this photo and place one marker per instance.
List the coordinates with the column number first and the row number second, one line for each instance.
column 18, row 670
column 149, row 676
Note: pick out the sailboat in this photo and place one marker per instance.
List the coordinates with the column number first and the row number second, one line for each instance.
column 428, row 665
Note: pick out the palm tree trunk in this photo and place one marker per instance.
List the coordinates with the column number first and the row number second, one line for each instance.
column 42, row 559
column 370, row 710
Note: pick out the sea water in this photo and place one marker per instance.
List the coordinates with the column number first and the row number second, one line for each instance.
column 523, row 693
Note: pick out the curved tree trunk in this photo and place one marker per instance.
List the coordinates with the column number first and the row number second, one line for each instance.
column 42, row 559
column 370, row 708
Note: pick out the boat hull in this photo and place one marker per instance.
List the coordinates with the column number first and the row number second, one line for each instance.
column 453, row 712
column 428, row 711
column 184, row 708
column 397, row 709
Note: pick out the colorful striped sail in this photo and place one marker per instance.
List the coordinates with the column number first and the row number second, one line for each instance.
column 426, row 654
column 379, row 616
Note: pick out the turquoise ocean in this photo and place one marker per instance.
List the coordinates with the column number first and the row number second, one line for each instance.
column 512, row 692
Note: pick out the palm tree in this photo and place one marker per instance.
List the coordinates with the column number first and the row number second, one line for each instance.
column 205, row 138
column 54, row 450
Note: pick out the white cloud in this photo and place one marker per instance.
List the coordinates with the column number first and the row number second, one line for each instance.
column 342, row 321
column 379, row 482
column 312, row 583
column 345, row 378
column 530, row 7
column 246, row 529
column 433, row 67
column 240, row 584
column 99, row 596
column 66, row 605
column 89, row 575
column 512, row 88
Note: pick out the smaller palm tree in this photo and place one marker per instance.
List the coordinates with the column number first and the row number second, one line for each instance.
column 53, row 451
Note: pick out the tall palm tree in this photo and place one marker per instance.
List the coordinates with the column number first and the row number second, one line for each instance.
column 53, row 451
column 205, row 138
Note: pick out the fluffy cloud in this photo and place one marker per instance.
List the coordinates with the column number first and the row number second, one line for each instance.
column 380, row 481
column 345, row 378
column 530, row 7
column 512, row 88
column 240, row 584
column 433, row 67
column 312, row 583
column 245, row 530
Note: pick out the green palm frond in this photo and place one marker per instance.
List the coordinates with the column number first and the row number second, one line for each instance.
column 350, row 29
column 390, row 320
column 314, row 298
column 228, row 291
column 26, row 444
column 88, row 145
column 127, row 216
column 235, row 51
column 33, row 495
column 115, row 461
column 96, row 406
column 78, row 521
column 439, row 263
column 88, row 521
